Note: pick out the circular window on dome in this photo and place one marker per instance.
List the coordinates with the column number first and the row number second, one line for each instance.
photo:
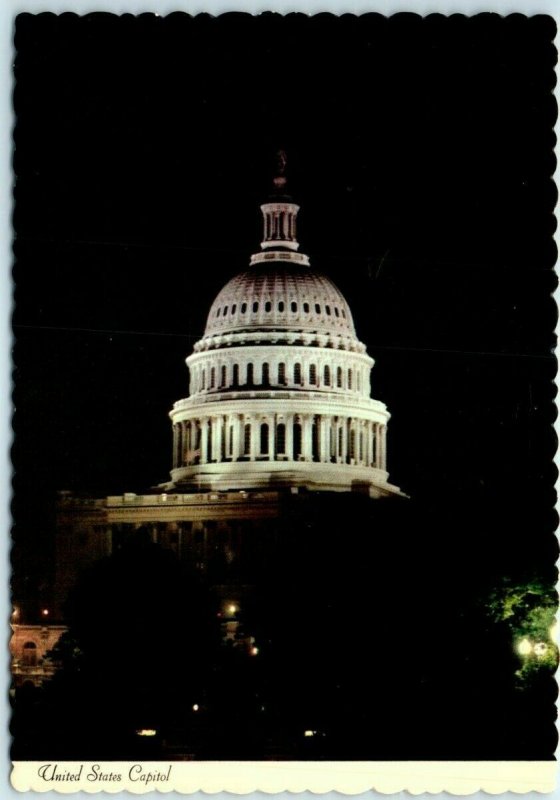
column 281, row 306
column 268, row 306
column 243, row 308
column 306, row 308
column 294, row 306
column 255, row 307
column 317, row 308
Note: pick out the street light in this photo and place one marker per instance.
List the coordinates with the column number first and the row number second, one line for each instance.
column 524, row 647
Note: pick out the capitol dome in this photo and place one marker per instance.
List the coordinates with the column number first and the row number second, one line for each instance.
column 280, row 296
column 279, row 391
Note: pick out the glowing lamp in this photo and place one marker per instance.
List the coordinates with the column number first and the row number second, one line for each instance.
column 254, row 651
column 232, row 609
column 146, row 732
column 195, row 707
column 524, row 647
column 309, row 733
column 45, row 612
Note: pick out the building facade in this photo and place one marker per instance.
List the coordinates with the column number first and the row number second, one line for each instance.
column 278, row 413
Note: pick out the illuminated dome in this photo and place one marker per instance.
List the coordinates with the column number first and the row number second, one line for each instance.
column 279, row 391
column 280, row 295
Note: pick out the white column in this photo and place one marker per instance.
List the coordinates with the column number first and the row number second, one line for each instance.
column 367, row 443
column 323, row 439
column 175, row 445
column 214, row 453
column 217, row 439
column 270, row 441
column 290, row 437
column 255, row 428
column 186, row 444
column 204, row 441
column 236, row 439
column 384, row 447
column 306, row 438
column 344, row 453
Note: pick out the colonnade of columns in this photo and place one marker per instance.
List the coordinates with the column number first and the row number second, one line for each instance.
column 287, row 372
column 279, row 437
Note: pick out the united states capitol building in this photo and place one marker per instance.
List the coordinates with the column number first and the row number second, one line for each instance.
column 278, row 414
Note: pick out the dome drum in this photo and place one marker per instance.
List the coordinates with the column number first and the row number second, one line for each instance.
column 275, row 367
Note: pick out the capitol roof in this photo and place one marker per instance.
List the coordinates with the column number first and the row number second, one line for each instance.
column 280, row 295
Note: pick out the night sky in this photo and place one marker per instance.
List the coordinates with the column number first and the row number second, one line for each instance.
column 421, row 154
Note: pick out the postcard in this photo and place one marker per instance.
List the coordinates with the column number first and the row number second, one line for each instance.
column 283, row 514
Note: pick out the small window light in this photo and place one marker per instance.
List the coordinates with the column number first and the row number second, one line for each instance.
column 146, row 732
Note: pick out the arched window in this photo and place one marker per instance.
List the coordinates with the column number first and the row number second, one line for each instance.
column 294, row 306
column 312, row 374
column 281, row 306
column 282, row 374
column 225, row 310
column 250, row 377
column 268, row 306
column 243, row 308
column 349, row 378
column 223, row 376
column 297, row 373
column 297, row 440
column 327, row 375
column 265, row 375
column 234, row 308
column 306, row 308
column 336, row 312
column 247, row 440
column 235, row 380
column 30, row 654
column 218, row 312
column 339, row 377
column 264, row 439
column 328, row 310
column 255, row 307
column 317, row 308
column 281, row 438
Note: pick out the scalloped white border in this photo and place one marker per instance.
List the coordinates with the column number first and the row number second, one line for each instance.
column 352, row 778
